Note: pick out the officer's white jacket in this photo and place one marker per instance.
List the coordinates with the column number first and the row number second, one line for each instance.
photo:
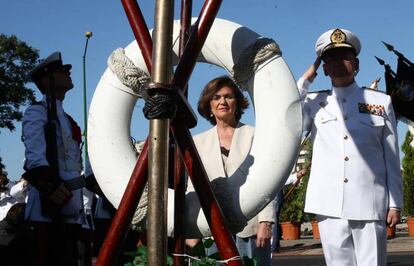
column 69, row 158
column 355, row 171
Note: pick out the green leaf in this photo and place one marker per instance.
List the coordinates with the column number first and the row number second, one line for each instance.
column 215, row 256
column 208, row 261
column 132, row 254
column 198, row 250
column 208, row 242
column 194, row 262
column 142, row 250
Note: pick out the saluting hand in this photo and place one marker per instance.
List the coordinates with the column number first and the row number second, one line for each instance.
column 311, row 73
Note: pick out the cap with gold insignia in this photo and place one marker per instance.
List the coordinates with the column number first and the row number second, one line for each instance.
column 51, row 62
column 337, row 38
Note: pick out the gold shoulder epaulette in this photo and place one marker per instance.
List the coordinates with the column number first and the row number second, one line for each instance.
column 321, row 91
column 367, row 88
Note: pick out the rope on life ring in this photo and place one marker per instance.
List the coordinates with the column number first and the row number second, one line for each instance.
column 258, row 65
column 131, row 76
column 254, row 55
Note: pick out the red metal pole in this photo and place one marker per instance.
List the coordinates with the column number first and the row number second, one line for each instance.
column 197, row 39
column 185, row 21
column 179, row 206
column 140, row 29
column 179, row 177
column 114, row 240
column 109, row 252
column 222, row 236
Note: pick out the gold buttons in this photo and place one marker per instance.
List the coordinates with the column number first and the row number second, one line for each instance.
column 346, row 158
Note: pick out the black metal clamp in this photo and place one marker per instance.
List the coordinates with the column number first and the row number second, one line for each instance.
column 163, row 101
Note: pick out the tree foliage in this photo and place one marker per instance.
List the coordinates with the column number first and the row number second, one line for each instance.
column 16, row 60
column 408, row 175
column 1, row 165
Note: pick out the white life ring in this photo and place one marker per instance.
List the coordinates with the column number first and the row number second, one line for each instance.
column 278, row 128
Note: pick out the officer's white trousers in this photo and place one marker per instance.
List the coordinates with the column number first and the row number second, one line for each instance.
column 351, row 242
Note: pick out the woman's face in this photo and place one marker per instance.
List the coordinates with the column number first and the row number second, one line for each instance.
column 223, row 105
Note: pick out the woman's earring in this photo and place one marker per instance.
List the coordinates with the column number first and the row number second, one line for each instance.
column 211, row 115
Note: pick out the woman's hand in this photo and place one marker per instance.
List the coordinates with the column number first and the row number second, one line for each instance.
column 264, row 233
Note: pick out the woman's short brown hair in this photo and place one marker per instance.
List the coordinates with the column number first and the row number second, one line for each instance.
column 210, row 90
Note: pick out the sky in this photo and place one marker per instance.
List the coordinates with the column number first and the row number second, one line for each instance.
column 57, row 25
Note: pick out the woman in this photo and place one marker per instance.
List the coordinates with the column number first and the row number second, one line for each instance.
column 223, row 148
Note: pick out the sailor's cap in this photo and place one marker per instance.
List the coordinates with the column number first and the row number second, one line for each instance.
column 51, row 62
column 337, row 38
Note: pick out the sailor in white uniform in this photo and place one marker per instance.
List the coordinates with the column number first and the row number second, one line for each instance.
column 54, row 209
column 355, row 185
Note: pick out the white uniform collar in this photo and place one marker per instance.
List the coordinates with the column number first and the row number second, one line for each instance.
column 345, row 91
column 59, row 103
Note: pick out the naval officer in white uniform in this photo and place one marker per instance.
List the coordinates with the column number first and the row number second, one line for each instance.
column 355, row 185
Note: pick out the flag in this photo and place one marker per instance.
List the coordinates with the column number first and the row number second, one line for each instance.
column 400, row 86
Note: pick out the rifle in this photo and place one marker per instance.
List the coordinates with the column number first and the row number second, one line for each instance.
column 49, row 208
column 50, row 127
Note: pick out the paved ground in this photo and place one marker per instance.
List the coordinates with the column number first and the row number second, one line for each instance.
column 307, row 251
column 393, row 259
column 399, row 247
